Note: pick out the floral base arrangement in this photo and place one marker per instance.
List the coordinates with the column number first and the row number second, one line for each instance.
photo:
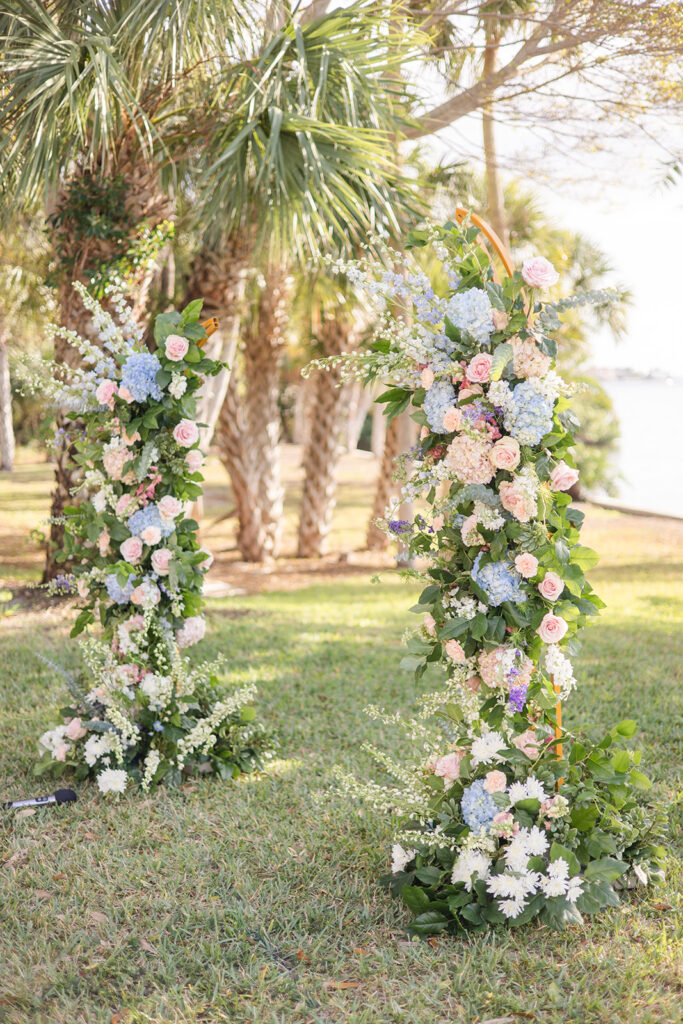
column 140, row 713
column 503, row 816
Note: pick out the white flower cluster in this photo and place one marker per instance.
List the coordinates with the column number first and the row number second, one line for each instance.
column 485, row 748
column 560, row 668
column 532, row 789
column 467, row 606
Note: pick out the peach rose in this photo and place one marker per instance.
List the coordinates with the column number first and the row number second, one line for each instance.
column 505, row 454
column 429, row 624
column 125, row 394
column 131, row 550
column 75, row 730
column 526, row 565
column 194, row 460
column 427, row 378
column 103, row 543
column 61, row 752
column 161, row 559
column 176, row 347
column 552, row 628
column 452, row 419
column 515, row 501
column 563, row 477
column 479, row 368
column 473, row 684
column 131, row 438
column 186, row 433
column 151, row 535
column 495, row 782
column 551, row 586
column 105, row 392
column 169, row 507
column 454, row 651
column 527, row 743
column 500, row 319
column 538, row 272
column 448, row 767
column 467, row 392
column 208, row 561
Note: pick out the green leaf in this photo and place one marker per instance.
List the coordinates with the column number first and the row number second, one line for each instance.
column 628, row 728
column 557, row 851
column 495, row 294
column 415, row 898
column 621, row 762
column 583, row 818
column 194, row 354
column 502, row 355
column 429, row 923
column 605, row 870
column 429, row 875
column 453, row 628
column 586, row 558
column 192, row 311
column 640, row 781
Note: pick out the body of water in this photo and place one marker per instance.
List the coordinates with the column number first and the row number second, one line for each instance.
column 650, row 458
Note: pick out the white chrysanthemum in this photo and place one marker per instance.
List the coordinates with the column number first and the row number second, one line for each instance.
column 400, row 858
column 574, row 891
column 534, row 789
column 517, row 792
column 98, row 746
column 558, row 869
column 553, row 887
column 499, row 885
column 112, row 780
column 536, row 842
column 470, row 863
column 511, row 908
column 485, row 748
column 516, row 856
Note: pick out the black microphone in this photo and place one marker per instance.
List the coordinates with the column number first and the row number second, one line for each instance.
column 62, row 796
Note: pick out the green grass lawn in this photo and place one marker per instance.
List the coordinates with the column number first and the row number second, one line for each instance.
column 257, row 901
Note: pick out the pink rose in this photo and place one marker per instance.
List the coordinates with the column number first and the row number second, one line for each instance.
column 147, row 595
column 552, row 628
column 125, row 394
column 186, row 433
column 103, row 542
column 151, row 535
column 551, row 586
column 122, row 504
column 452, row 419
column 454, row 651
column 161, row 559
column 169, row 507
column 516, row 501
column 135, row 622
column 479, row 368
column 448, row 767
column 538, row 272
column 75, row 730
column 176, row 347
column 115, row 460
column 430, row 624
column 505, row 818
column 427, row 378
column 105, row 392
column 194, row 460
column 563, row 477
column 131, row 550
column 495, row 782
column 527, row 743
column 60, row 752
column 505, row 454
column 437, row 521
column 466, row 392
column 526, row 565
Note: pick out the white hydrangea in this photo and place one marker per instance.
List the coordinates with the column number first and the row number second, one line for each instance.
column 551, row 386
column 499, row 394
column 178, row 385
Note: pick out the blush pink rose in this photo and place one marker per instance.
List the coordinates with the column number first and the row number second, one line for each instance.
column 161, row 559
column 147, row 595
column 551, row 586
column 122, row 504
column 427, row 378
column 505, row 454
column 552, row 628
column 103, row 543
column 429, row 624
column 437, row 523
column 563, row 477
column 169, row 507
column 479, row 368
column 516, row 501
column 186, row 433
column 469, row 532
column 194, row 460
column 526, row 565
column 538, row 272
column 151, row 535
column 125, row 394
column 454, row 651
column 466, row 392
column 131, row 550
column 75, row 730
column 176, row 347
column 527, row 743
column 61, row 752
column 495, row 782
column 448, row 767
column 452, row 419
column 105, row 392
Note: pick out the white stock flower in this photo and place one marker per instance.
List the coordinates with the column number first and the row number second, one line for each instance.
column 400, row 858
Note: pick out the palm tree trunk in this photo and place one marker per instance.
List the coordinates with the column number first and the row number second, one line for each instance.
column 230, row 434
column 321, row 453
column 6, row 426
column 494, row 190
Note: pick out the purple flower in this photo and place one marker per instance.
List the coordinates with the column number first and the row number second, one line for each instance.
column 400, row 527
column 518, row 696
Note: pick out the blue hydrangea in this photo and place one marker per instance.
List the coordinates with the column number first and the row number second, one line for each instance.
column 471, row 311
column 117, row 593
column 139, row 375
column 149, row 516
column 478, row 807
column 529, row 416
column 500, row 581
column 439, row 398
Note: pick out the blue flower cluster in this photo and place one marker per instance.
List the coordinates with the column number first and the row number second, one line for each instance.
column 117, row 593
column 500, row 581
column 439, row 398
column 428, row 307
column 471, row 311
column 530, row 415
column 149, row 516
column 478, row 807
column 139, row 375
